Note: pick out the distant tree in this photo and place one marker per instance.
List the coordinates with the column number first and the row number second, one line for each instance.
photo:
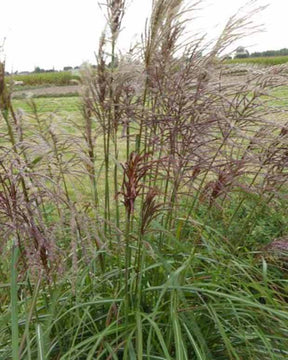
column 38, row 70
column 241, row 53
column 67, row 68
column 270, row 53
column 283, row 52
column 256, row 54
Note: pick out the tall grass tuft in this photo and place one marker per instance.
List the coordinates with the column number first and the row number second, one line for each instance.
column 151, row 224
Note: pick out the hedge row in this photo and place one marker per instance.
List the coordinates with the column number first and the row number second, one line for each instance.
column 276, row 60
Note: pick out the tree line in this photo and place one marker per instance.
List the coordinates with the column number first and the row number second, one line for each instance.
column 243, row 53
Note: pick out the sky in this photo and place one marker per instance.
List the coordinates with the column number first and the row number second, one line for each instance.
column 57, row 33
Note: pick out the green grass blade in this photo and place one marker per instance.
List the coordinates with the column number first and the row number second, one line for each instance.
column 29, row 317
column 198, row 352
column 159, row 335
column 14, row 302
column 40, row 342
column 178, row 339
column 139, row 338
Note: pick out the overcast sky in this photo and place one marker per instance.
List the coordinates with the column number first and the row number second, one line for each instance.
column 58, row 33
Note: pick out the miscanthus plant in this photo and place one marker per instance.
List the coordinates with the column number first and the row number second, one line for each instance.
column 143, row 229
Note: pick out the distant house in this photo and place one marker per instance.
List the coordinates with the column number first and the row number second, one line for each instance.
column 241, row 53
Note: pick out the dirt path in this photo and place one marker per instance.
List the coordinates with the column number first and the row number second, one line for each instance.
column 49, row 91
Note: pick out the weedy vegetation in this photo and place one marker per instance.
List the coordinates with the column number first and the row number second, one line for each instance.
column 151, row 223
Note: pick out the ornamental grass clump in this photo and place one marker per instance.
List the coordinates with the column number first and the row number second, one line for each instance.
column 139, row 228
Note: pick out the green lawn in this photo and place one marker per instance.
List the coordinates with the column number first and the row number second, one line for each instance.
column 50, row 104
